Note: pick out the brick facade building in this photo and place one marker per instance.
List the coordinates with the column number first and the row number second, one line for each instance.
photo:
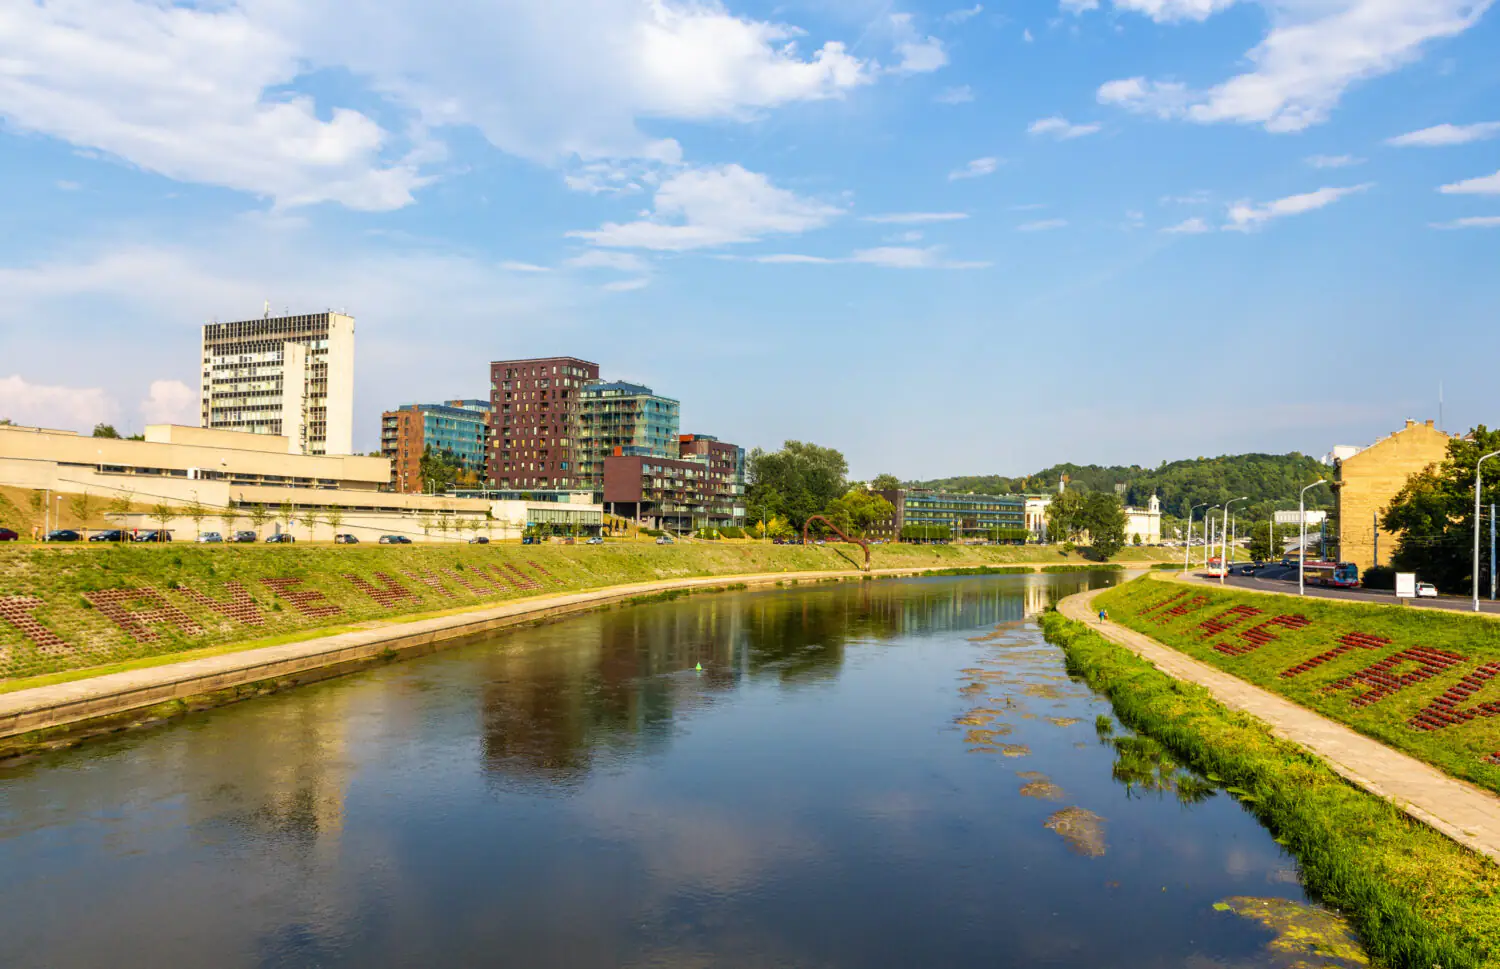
column 1365, row 482
column 535, row 421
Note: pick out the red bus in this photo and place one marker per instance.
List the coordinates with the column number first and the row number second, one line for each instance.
column 1339, row 575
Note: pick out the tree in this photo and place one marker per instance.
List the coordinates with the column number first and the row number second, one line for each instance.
column 106, row 430
column 335, row 518
column 858, row 509
column 425, row 520
column 196, row 513
column 162, row 513
column 1433, row 514
column 797, row 482
column 259, row 515
column 82, row 506
column 885, row 482
column 311, row 520
column 1104, row 520
column 286, row 512
column 442, row 524
column 439, row 470
column 6, row 422
column 119, row 507
column 1065, row 516
column 1268, row 542
column 227, row 518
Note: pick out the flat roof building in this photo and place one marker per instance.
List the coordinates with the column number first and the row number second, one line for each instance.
column 626, row 419
column 286, row 376
column 458, row 428
column 1366, row 479
column 680, row 494
column 964, row 515
column 535, row 421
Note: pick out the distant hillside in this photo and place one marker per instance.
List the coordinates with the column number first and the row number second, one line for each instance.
column 1265, row 478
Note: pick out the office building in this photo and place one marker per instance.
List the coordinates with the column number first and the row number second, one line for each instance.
column 535, row 420
column 965, row 516
column 286, row 376
column 1366, row 479
column 626, row 419
column 457, row 428
column 682, row 495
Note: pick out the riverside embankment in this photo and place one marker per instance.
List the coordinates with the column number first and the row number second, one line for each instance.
column 88, row 634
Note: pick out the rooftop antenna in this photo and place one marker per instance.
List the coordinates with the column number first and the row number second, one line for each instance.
column 266, row 313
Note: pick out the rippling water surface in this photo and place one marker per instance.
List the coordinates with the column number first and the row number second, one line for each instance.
column 874, row 774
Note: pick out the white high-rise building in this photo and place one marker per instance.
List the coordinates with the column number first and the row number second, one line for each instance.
column 286, row 375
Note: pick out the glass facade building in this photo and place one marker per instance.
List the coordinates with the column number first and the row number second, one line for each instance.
column 457, row 427
column 966, row 515
column 625, row 419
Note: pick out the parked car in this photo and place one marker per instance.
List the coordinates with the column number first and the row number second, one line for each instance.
column 1426, row 590
column 110, row 535
column 664, row 540
column 280, row 538
column 344, row 538
column 394, row 540
column 479, row 540
column 210, row 538
column 528, row 540
column 596, row 540
column 9, row 535
column 243, row 537
column 63, row 535
column 154, row 535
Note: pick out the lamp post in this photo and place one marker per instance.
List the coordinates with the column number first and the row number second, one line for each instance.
column 1478, row 479
column 1302, row 543
column 1187, row 545
column 1224, row 560
column 1208, row 531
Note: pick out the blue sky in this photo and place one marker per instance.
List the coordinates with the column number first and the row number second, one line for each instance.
column 945, row 238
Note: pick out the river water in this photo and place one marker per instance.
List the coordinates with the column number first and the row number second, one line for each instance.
column 894, row 773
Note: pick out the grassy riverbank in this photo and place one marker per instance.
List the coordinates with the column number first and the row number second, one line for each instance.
column 1422, row 680
column 101, row 608
column 1418, row 899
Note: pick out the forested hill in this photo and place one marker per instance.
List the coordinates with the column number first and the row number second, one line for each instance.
column 1264, row 478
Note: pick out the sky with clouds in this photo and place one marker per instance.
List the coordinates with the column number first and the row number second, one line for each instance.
column 945, row 238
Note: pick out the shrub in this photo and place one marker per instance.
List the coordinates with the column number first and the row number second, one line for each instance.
column 1379, row 577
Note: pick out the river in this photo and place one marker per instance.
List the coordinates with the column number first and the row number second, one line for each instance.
column 893, row 773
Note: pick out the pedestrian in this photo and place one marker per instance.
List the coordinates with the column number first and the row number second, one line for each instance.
column 1103, row 614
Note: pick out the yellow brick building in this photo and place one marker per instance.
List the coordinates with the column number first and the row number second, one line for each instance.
column 1365, row 482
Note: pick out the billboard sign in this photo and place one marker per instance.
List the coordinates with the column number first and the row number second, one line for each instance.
column 1406, row 585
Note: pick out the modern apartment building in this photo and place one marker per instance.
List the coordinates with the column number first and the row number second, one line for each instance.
column 456, row 427
column 535, row 420
column 725, row 463
column 291, row 376
column 665, row 493
column 626, row 419
column 965, row 516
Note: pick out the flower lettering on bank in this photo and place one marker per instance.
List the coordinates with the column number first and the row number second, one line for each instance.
column 133, row 610
column 306, row 601
column 239, row 607
column 1445, row 711
column 17, row 611
column 389, row 596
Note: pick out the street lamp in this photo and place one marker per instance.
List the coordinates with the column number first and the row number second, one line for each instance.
column 1478, row 477
column 1302, row 543
column 1208, row 527
column 1187, row 545
column 1224, row 559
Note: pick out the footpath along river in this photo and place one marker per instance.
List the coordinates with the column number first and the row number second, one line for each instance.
column 893, row 773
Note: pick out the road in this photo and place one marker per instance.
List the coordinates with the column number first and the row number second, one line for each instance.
column 1276, row 578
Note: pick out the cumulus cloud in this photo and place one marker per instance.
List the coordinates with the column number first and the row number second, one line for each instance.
column 1193, row 226
column 171, row 402
column 1334, row 161
column 709, row 207
column 1472, row 222
column 917, row 55
column 914, row 218
column 1484, row 185
column 962, row 94
column 1247, row 216
column 963, row 13
column 42, row 405
column 1060, row 128
column 1314, row 51
column 1077, row 6
column 1041, row 225
column 975, row 169
column 1443, row 135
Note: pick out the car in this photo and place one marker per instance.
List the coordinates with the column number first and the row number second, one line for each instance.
column 344, row 538
column 596, row 540
column 529, row 540
column 110, row 535
column 394, row 540
column 9, row 535
column 664, row 540
column 63, row 535
column 153, row 535
column 210, row 538
column 1426, row 590
column 245, row 537
column 479, row 540
column 280, row 538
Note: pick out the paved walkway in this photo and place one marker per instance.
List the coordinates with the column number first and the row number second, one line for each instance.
column 1462, row 811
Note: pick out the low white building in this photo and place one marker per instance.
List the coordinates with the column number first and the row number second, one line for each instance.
column 1144, row 524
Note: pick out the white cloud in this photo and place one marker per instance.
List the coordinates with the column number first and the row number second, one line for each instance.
column 914, row 218
column 512, row 266
column 912, row 236
column 793, row 258
column 1077, row 6
column 1042, row 225
column 1191, row 226
column 66, row 408
column 1026, row 35
column 625, row 262
column 1315, row 50
column 976, row 168
column 1246, row 216
column 707, row 207
column 962, row 94
column 888, row 257
column 1472, row 222
column 626, row 285
column 1484, row 185
column 963, row 13
column 918, row 55
column 1172, row 11
column 171, row 402
column 1443, row 135
column 1060, row 128
column 1333, row 161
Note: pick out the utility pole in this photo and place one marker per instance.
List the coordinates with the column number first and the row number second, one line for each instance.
column 1375, row 523
column 1492, row 551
